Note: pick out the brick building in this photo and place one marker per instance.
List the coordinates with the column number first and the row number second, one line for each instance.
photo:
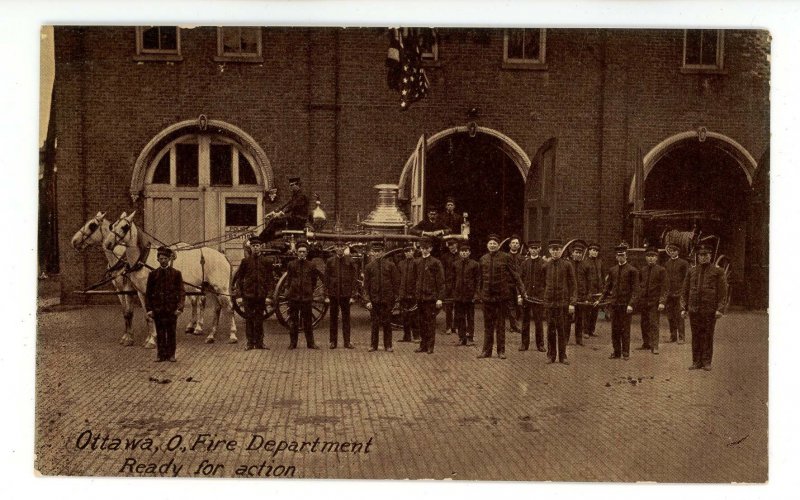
column 533, row 131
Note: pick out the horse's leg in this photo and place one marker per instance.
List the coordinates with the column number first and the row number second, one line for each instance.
column 150, row 343
column 228, row 303
column 127, row 314
column 201, row 312
column 193, row 319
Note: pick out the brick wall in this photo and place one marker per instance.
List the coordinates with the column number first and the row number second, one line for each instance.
column 604, row 95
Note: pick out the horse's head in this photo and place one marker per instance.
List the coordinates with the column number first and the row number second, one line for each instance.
column 120, row 232
column 89, row 234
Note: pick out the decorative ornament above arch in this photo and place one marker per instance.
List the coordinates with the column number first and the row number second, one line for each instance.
column 199, row 125
column 505, row 143
column 722, row 142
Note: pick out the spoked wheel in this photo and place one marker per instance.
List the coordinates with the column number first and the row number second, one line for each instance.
column 238, row 306
column 724, row 263
column 318, row 305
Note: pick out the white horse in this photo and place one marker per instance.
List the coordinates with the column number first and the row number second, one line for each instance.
column 202, row 268
column 92, row 234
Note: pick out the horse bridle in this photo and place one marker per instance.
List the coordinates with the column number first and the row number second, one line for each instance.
column 84, row 235
column 118, row 237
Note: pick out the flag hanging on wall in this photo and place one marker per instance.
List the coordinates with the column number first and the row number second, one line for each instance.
column 404, row 63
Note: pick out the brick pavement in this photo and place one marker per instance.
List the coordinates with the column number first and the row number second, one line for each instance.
column 446, row 415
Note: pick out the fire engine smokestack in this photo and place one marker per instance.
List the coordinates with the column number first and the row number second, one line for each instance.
column 387, row 217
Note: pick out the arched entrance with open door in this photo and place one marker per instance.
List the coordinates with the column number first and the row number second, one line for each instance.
column 709, row 173
column 200, row 180
column 482, row 169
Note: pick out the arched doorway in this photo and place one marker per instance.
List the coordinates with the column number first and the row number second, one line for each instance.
column 709, row 173
column 199, row 181
column 483, row 170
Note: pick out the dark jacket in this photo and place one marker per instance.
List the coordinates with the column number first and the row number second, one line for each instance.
column 164, row 294
column 704, row 290
column 301, row 279
column 408, row 278
column 560, row 286
column 532, row 274
column 622, row 285
column 340, row 276
column 447, row 259
column 499, row 277
column 430, row 279
column 582, row 274
column 653, row 285
column 428, row 226
column 676, row 275
column 593, row 271
column 452, row 221
column 296, row 210
column 254, row 277
column 381, row 281
column 466, row 276
column 517, row 259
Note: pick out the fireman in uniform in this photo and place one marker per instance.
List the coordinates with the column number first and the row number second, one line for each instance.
column 431, row 226
column 677, row 268
column 450, row 218
column 622, row 286
column 447, row 260
column 532, row 274
column 498, row 276
column 704, row 294
column 301, row 279
column 340, row 275
column 253, row 281
column 653, row 288
column 292, row 215
column 164, row 297
column 582, row 306
column 595, row 277
column 514, row 308
column 381, row 286
column 466, row 275
column 560, row 295
column 408, row 291
column 430, row 292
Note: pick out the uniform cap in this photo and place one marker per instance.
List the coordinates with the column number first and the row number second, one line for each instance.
column 704, row 248
column 621, row 249
column 451, row 241
column 432, row 208
column 555, row 242
column 301, row 244
column 651, row 250
column 426, row 243
column 463, row 246
column 534, row 243
column 594, row 246
column 254, row 240
column 294, row 180
column 515, row 237
column 579, row 247
column 673, row 246
column 450, row 199
column 495, row 237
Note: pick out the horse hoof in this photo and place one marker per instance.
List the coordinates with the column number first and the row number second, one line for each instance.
column 209, row 340
column 149, row 345
column 126, row 341
column 233, row 339
column 198, row 331
column 189, row 330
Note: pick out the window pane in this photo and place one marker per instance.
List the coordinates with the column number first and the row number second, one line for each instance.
column 186, row 173
column 693, row 43
column 161, row 174
column 221, row 174
column 150, row 38
column 169, row 38
column 709, row 47
column 240, row 212
column 515, row 40
column 250, row 40
column 531, row 48
column 230, row 40
column 246, row 173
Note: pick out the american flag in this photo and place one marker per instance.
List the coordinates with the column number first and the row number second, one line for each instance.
column 404, row 61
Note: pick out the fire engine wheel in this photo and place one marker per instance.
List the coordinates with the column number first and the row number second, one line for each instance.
column 318, row 305
column 724, row 263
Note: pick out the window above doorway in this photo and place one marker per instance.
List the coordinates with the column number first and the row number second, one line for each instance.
column 703, row 51
column 158, row 43
column 524, row 48
column 238, row 44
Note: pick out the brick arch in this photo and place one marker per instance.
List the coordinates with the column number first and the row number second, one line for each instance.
column 195, row 126
column 722, row 142
column 505, row 143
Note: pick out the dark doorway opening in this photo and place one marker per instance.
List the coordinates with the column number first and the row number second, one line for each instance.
column 484, row 181
column 701, row 176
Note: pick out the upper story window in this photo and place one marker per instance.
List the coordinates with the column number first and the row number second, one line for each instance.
column 524, row 48
column 236, row 43
column 158, row 43
column 703, row 50
column 429, row 44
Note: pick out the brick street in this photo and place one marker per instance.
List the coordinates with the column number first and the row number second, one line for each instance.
column 446, row 415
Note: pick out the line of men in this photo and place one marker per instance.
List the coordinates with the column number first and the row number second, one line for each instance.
column 546, row 289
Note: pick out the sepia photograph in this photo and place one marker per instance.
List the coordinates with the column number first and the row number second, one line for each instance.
column 392, row 250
